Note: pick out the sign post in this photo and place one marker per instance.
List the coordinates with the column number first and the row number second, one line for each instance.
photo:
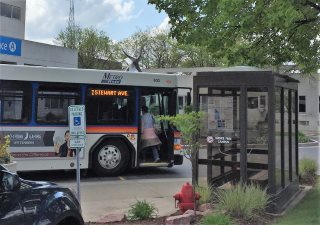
column 77, row 128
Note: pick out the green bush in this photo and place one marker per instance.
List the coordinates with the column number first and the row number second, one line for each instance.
column 206, row 194
column 308, row 171
column 243, row 201
column 142, row 210
column 5, row 156
column 216, row 219
column 302, row 138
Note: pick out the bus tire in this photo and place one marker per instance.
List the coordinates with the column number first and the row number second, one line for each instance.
column 111, row 158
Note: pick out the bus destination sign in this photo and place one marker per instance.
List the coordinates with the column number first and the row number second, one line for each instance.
column 108, row 92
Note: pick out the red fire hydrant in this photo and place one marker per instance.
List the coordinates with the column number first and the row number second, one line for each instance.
column 185, row 198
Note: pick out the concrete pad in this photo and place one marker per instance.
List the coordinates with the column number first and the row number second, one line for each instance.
column 99, row 198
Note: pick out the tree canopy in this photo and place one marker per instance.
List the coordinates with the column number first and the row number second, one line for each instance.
column 162, row 51
column 250, row 32
column 95, row 48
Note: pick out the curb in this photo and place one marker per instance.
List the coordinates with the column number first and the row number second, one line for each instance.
column 309, row 144
column 294, row 200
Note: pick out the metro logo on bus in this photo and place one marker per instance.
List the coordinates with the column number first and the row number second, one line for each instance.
column 108, row 78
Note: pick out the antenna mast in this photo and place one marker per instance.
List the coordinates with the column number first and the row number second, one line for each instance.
column 71, row 26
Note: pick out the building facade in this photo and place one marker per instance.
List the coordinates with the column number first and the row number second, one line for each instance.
column 309, row 102
column 14, row 49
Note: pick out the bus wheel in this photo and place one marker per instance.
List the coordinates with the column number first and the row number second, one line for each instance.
column 110, row 158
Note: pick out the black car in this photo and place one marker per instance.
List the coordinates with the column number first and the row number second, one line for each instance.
column 24, row 202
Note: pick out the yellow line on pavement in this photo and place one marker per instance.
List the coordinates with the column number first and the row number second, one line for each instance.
column 121, row 178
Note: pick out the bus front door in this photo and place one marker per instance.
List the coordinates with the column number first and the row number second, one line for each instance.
column 160, row 103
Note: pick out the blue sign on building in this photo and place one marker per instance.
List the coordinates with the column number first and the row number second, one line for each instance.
column 10, row 46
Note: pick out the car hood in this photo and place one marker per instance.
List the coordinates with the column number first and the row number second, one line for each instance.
column 35, row 184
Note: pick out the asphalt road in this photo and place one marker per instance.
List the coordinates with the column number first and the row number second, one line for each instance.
column 60, row 176
column 105, row 195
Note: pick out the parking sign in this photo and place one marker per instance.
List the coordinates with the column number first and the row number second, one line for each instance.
column 77, row 124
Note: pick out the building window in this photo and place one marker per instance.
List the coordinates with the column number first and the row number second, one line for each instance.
column 302, row 104
column 180, row 102
column 304, row 123
column 10, row 11
column 253, row 102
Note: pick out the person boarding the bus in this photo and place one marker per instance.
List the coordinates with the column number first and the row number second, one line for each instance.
column 149, row 136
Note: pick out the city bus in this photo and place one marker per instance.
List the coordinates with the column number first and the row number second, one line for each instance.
column 34, row 114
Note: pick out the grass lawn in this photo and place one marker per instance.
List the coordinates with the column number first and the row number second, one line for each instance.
column 307, row 212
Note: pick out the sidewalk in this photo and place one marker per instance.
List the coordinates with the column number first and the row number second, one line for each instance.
column 99, row 198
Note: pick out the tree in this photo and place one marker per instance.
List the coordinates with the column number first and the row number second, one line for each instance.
column 189, row 125
column 159, row 50
column 162, row 51
column 197, row 56
column 95, row 48
column 257, row 33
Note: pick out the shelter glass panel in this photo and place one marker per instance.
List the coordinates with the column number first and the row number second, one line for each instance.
column 293, row 134
column 221, row 106
column 257, row 135
column 278, row 138
column 286, row 137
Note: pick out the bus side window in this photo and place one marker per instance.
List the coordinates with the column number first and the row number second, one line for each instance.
column 53, row 102
column 15, row 101
column 107, row 109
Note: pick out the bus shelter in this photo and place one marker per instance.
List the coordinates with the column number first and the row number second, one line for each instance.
column 250, row 132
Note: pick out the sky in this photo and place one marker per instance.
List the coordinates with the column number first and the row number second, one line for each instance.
column 119, row 19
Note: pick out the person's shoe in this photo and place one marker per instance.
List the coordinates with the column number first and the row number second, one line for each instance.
column 156, row 161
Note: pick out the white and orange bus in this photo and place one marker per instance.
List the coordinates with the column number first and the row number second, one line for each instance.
column 34, row 113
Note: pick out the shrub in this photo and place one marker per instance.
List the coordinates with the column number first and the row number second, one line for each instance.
column 302, row 138
column 216, row 219
column 5, row 156
column 307, row 171
column 142, row 210
column 205, row 193
column 243, row 201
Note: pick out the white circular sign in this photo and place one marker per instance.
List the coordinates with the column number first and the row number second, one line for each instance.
column 210, row 139
column 12, row 46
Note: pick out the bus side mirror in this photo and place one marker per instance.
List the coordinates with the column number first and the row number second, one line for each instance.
column 188, row 98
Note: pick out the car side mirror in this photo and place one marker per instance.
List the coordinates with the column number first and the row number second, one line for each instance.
column 10, row 182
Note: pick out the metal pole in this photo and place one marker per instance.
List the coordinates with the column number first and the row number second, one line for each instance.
column 78, row 173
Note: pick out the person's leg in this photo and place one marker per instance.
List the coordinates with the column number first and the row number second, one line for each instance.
column 144, row 154
column 155, row 153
